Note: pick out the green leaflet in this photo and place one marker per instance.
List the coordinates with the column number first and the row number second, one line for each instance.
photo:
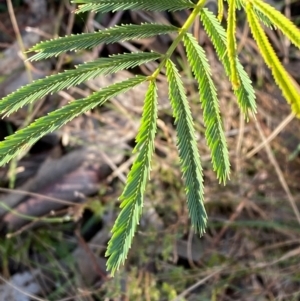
column 289, row 29
column 132, row 196
column 239, row 4
column 280, row 75
column 105, row 6
column 214, row 132
column 245, row 93
column 188, row 151
column 70, row 78
column 114, row 34
column 263, row 18
column 24, row 138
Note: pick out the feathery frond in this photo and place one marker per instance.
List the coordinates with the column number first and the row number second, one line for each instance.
column 214, row 132
column 245, row 93
column 288, row 28
column 188, row 151
column 105, row 6
column 114, row 34
column 24, row 138
column 132, row 196
column 54, row 83
column 280, row 75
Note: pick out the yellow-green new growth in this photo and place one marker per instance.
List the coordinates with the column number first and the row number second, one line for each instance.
column 220, row 10
column 282, row 78
column 231, row 43
column 288, row 28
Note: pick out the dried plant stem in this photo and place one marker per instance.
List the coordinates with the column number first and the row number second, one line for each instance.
column 13, row 164
column 278, row 171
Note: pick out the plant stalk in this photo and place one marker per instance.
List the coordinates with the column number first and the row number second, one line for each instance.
column 183, row 30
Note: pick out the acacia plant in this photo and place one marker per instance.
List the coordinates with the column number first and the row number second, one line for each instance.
column 258, row 13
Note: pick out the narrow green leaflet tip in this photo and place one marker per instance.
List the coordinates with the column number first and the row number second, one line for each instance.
column 187, row 148
column 132, row 196
column 214, row 133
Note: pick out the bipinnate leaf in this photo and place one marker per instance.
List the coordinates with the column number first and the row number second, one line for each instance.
column 132, row 196
column 245, row 93
column 57, row 82
column 187, row 148
column 288, row 28
column 105, row 6
column 208, row 96
column 282, row 78
column 114, row 34
column 24, row 138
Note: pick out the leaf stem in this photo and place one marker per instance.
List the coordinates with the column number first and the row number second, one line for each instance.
column 182, row 31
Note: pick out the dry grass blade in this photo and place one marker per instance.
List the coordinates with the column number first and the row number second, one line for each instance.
column 278, row 171
column 278, row 129
column 197, row 284
column 14, row 287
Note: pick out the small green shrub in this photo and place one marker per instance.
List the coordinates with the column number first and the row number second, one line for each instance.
column 257, row 12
